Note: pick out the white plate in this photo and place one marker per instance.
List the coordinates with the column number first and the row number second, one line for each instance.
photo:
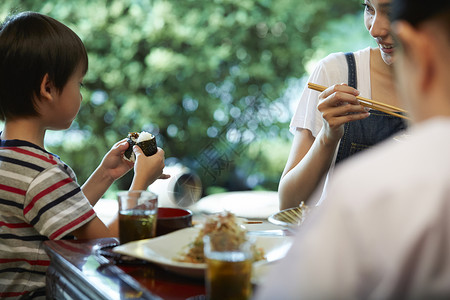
column 241, row 203
column 162, row 250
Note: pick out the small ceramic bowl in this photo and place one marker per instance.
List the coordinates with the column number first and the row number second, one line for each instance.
column 171, row 219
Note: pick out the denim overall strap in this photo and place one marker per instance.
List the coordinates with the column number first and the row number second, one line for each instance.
column 352, row 79
column 362, row 134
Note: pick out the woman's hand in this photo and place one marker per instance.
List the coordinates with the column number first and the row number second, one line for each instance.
column 147, row 168
column 338, row 105
column 113, row 162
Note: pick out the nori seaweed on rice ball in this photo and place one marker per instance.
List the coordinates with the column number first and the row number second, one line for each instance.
column 146, row 141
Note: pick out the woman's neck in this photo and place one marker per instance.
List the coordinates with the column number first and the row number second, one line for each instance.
column 380, row 65
column 382, row 80
column 26, row 129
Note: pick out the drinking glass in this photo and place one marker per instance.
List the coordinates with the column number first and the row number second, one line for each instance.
column 229, row 267
column 137, row 215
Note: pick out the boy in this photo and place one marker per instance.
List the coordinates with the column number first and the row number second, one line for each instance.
column 42, row 65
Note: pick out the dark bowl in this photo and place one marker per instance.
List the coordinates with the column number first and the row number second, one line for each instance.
column 171, row 219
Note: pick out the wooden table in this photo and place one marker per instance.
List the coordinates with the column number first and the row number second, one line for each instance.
column 83, row 270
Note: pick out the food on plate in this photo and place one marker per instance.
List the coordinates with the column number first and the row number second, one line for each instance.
column 226, row 223
column 145, row 140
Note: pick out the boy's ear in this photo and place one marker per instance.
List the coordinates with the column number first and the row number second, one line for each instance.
column 47, row 87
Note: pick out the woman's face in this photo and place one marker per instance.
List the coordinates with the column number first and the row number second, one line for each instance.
column 376, row 19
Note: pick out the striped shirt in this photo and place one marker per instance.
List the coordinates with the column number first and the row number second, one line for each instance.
column 40, row 199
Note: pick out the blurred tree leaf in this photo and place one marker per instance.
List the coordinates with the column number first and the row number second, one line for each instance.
column 190, row 72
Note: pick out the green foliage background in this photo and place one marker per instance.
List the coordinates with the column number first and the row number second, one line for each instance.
column 189, row 70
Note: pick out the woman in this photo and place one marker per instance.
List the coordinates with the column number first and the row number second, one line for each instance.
column 330, row 126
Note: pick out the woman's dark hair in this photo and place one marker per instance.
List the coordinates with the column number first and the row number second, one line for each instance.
column 32, row 45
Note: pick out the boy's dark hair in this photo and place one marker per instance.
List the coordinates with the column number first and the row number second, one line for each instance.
column 32, row 45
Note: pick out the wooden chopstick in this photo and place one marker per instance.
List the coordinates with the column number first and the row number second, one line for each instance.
column 321, row 88
column 389, row 109
column 254, row 222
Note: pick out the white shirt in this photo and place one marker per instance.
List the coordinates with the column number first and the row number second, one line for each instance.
column 384, row 232
column 333, row 69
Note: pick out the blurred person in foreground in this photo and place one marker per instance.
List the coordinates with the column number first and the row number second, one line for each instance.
column 42, row 67
column 385, row 231
column 331, row 126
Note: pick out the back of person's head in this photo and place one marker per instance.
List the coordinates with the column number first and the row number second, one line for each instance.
column 422, row 31
column 32, row 45
column 417, row 11
column 420, row 14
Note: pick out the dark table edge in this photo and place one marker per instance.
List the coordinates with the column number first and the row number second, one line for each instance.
column 99, row 293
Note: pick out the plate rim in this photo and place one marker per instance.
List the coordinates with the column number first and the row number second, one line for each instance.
column 183, row 268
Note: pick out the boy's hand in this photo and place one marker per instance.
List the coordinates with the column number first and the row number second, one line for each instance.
column 113, row 163
column 147, row 168
column 112, row 167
